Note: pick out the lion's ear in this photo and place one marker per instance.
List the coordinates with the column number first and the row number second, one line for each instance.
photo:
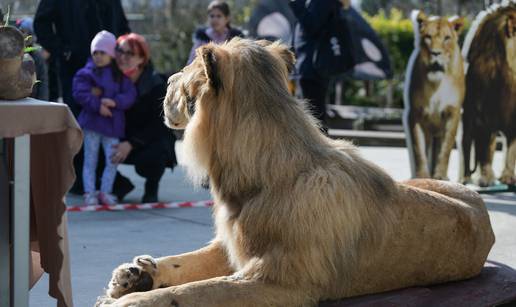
column 263, row 42
column 457, row 23
column 418, row 16
column 282, row 50
column 510, row 26
column 288, row 57
column 211, row 66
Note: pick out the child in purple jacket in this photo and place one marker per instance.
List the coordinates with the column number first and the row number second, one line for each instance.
column 104, row 94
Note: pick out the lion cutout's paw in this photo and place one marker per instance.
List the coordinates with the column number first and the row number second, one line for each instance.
column 486, row 181
column 508, row 178
column 441, row 177
column 104, row 301
column 133, row 277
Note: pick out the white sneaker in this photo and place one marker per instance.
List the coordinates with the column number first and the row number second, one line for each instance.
column 90, row 199
column 107, row 199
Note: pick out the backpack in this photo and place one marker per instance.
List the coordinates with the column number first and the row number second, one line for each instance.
column 334, row 53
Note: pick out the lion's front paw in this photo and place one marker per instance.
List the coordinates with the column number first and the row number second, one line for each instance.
column 487, row 176
column 422, row 173
column 441, row 176
column 508, row 178
column 467, row 180
column 155, row 298
column 486, row 181
column 104, row 301
column 133, row 277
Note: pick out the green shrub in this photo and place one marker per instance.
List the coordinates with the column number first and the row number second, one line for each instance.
column 397, row 34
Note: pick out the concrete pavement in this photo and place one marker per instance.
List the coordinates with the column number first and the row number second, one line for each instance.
column 99, row 241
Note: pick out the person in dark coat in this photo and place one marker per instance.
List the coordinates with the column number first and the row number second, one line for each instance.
column 66, row 27
column 148, row 143
column 218, row 30
column 312, row 19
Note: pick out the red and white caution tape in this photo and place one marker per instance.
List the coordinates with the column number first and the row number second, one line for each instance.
column 122, row 207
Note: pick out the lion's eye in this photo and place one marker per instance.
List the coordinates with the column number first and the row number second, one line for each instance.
column 447, row 38
column 190, row 103
column 188, row 98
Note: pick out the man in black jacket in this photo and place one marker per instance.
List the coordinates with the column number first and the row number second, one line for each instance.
column 312, row 19
column 65, row 29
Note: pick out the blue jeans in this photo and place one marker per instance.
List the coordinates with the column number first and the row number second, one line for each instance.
column 92, row 141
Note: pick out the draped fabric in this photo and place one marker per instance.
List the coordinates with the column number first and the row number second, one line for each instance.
column 55, row 138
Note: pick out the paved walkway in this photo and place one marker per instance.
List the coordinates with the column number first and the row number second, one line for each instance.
column 99, row 241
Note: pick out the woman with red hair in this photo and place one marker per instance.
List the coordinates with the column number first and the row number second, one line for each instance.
column 148, row 143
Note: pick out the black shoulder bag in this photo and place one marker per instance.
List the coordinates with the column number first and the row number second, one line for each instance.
column 333, row 53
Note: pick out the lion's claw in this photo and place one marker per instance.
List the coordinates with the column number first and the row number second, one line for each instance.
column 132, row 277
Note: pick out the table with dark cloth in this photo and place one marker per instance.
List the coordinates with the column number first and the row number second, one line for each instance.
column 55, row 138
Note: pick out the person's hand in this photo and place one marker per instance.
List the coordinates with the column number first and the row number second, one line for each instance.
column 108, row 102
column 45, row 54
column 96, row 91
column 121, row 151
column 346, row 3
column 105, row 111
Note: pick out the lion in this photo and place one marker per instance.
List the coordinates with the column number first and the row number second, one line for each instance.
column 434, row 92
column 490, row 102
column 299, row 217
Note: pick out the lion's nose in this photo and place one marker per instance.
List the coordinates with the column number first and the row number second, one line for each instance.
column 435, row 53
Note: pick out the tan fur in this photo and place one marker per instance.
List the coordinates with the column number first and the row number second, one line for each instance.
column 299, row 217
column 434, row 94
column 490, row 102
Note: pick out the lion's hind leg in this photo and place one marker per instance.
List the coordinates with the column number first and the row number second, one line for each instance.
column 453, row 190
column 461, row 230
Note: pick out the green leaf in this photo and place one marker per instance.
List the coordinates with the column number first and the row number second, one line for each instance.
column 30, row 49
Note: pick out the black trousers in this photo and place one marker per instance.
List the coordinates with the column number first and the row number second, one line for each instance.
column 314, row 91
column 149, row 162
column 67, row 70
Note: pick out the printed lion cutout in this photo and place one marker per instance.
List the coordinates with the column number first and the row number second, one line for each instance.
column 434, row 92
column 299, row 217
column 490, row 102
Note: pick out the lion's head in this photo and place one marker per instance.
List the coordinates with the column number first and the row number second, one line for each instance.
column 227, row 91
column 492, row 29
column 437, row 39
column 212, row 75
